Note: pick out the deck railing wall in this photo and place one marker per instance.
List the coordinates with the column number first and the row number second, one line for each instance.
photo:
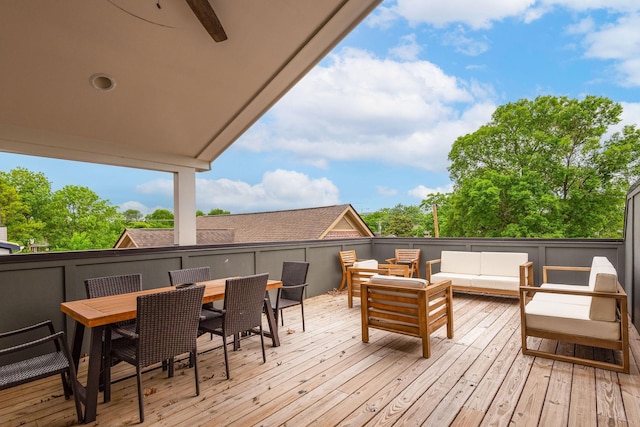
column 33, row 285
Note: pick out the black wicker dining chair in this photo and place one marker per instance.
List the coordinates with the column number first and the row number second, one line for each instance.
column 194, row 275
column 166, row 327
column 242, row 312
column 19, row 366
column 294, row 284
column 97, row 287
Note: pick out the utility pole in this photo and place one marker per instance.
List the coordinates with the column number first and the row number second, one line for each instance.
column 435, row 221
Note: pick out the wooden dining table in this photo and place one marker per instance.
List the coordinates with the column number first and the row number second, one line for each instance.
column 98, row 313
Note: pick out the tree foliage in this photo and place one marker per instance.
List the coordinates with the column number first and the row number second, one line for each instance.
column 400, row 221
column 543, row 168
column 79, row 220
column 160, row 218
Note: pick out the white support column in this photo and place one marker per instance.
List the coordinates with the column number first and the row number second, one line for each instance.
column 184, row 207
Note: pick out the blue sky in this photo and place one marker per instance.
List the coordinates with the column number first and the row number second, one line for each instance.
column 373, row 123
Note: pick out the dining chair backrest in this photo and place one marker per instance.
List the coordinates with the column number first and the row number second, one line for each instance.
column 189, row 275
column 293, row 273
column 113, row 285
column 243, row 302
column 167, row 323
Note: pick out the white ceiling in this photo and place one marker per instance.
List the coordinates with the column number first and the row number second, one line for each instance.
column 180, row 98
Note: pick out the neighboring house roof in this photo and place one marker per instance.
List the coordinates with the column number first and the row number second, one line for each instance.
column 329, row 222
column 8, row 247
column 154, row 237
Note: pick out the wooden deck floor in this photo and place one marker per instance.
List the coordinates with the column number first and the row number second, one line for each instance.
column 326, row 376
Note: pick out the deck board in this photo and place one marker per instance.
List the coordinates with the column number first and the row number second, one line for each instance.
column 326, row 376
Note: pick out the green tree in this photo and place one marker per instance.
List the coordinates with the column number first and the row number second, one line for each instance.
column 442, row 204
column 14, row 214
column 544, row 168
column 411, row 221
column 400, row 226
column 133, row 215
column 160, row 218
column 35, row 194
column 218, row 212
column 79, row 220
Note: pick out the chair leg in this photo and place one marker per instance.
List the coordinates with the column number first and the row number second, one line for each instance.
column 226, row 356
column 281, row 318
column 302, row 309
column 194, row 357
column 140, row 405
column 264, row 355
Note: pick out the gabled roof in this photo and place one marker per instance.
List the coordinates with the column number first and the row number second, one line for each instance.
column 329, row 222
column 142, row 84
column 156, row 237
column 339, row 221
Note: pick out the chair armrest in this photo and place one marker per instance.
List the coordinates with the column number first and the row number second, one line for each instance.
column 621, row 294
column 546, row 268
column 40, row 341
column 526, row 274
column 302, row 285
column 214, row 309
column 429, row 265
column 47, row 323
column 438, row 286
column 125, row 332
column 391, row 260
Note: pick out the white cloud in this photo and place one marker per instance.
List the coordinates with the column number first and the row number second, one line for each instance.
column 421, row 192
column 478, row 14
column 145, row 210
column 362, row 108
column 156, row 186
column 408, row 49
column 619, row 42
column 386, row 191
column 463, row 44
column 583, row 26
column 279, row 189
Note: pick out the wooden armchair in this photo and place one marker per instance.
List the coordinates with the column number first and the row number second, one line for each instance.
column 592, row 315
column 347, row 258
column 357, row 275
column 410, row 257
column 407, row 306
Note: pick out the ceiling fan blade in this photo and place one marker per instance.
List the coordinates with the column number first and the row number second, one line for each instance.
column 207, row 17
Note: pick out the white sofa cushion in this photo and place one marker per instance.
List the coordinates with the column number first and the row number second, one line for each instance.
column 603, row 278
column 460, row 262
column 367, row 263
column 409, row 282
column 456, row 278
column 568, row 319
column 502, row 263
column 496, row 282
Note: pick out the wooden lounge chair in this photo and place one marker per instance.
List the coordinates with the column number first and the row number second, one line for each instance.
column 410, row 257
column 347, row 258
column 363, row 271
column 407, row 306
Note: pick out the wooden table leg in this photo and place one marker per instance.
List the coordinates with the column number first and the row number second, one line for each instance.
column 273, row 323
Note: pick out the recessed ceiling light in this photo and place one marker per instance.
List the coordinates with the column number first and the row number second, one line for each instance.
column 103, row 82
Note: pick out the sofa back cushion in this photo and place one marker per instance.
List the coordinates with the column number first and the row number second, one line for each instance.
column 603, row 278
column 502, row 263
column 367, row 263
column 460, row 262
column 408, row 282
